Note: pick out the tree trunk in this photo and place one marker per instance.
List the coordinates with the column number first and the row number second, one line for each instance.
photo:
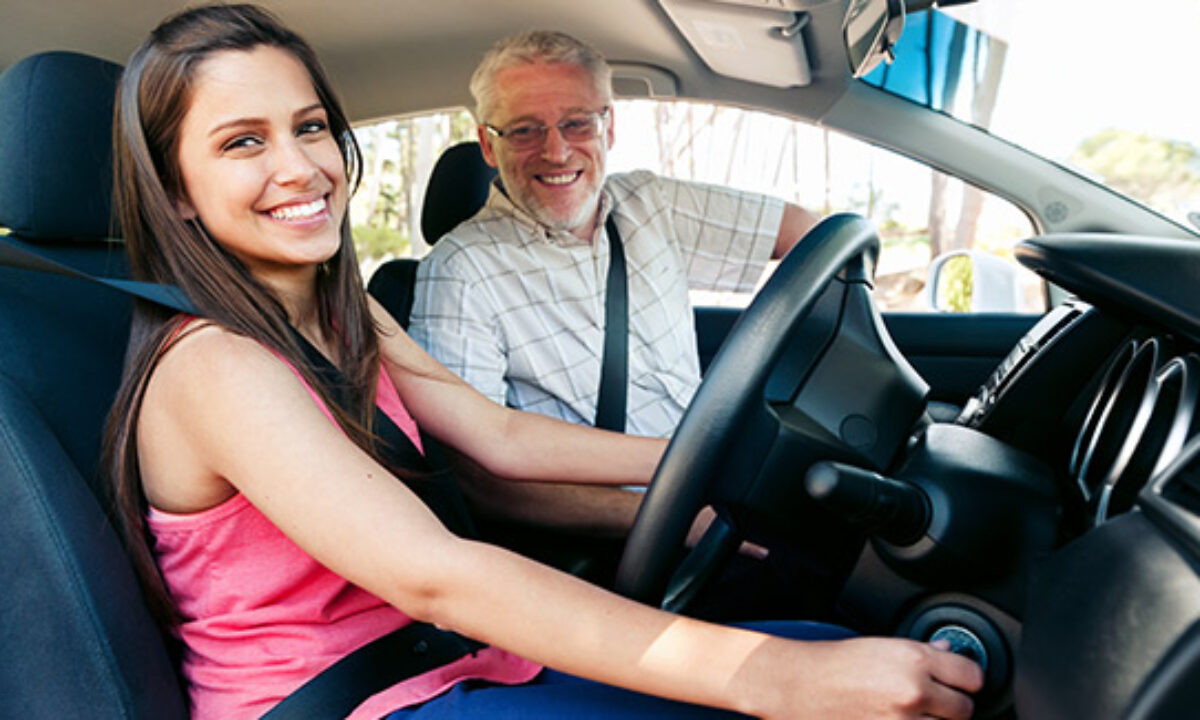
column 937, row 213
column 428, row 141
column 374, row 174
column 981, row 115
column 939, row 235
column 736, row 140
column 828, row 171
column 666, row 158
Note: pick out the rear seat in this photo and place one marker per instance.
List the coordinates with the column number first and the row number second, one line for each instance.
column 76, row 637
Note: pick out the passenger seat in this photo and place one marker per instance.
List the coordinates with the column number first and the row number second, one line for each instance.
column 458, row 187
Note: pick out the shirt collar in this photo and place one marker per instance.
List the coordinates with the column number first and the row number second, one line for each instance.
column 499, row 201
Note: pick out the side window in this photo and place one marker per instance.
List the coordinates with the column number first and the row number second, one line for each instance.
column 927, row 221
column 398, row 157
column 945, row 245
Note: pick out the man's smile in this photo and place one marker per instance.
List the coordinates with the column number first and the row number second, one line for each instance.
column 559, row 178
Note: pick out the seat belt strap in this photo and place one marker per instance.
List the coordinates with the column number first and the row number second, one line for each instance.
column 412, row 650
column 614, row 367
column 15, row 253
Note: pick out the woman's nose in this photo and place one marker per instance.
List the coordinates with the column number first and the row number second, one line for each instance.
column 293, row 165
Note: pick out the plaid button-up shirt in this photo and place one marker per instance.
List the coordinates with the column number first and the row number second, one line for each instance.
column 518, row 311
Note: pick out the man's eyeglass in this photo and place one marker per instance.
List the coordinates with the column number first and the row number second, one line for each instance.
column 574, row 128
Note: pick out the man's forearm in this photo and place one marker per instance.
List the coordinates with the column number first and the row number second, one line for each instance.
column 593, row 510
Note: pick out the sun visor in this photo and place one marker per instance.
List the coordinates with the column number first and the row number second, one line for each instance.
column 760, row 41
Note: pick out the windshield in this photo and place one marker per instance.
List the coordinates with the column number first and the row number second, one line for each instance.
column 1106, row 88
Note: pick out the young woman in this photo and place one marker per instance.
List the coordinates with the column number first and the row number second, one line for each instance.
column 274, row 530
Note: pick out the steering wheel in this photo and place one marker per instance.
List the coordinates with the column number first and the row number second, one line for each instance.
column 785, row 390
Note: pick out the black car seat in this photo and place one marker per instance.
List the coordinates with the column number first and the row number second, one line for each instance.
column 76, row 637
column 458, row 187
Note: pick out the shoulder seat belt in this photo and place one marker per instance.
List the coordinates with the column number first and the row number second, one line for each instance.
column 614, row 367
column 412, row 650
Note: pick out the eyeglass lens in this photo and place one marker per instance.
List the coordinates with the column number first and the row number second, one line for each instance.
column 573, row 128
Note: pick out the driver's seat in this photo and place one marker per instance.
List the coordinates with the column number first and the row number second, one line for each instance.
column 76, row 638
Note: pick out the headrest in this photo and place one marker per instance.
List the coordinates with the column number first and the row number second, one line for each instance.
column 458, row 187
column 56, row 146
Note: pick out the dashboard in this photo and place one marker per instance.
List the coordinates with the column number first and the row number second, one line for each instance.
column 1069, row 491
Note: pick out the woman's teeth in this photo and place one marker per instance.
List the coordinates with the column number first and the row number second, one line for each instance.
column 298, row 212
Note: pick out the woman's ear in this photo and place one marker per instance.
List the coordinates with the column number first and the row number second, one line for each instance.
column 184, row 207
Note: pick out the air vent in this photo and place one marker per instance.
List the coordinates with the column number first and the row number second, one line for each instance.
column 1171, row 423
column 1082, row 455
column 1184, row 489
column 1141, row 416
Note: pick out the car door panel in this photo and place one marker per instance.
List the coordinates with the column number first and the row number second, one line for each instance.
column 953, row 352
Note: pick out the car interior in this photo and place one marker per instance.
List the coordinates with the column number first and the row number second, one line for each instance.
column 1027, row 487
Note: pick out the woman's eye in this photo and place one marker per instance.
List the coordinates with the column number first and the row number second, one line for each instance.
column 313, row 126
column 242, row 142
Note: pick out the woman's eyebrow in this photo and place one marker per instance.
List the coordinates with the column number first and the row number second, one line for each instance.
column 308, row 109
column 255, row 121
column 236, row 122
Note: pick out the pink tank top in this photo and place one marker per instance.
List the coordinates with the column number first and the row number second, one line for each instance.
column 261, row 617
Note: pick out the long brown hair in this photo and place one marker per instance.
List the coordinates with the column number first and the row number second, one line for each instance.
column 153, row 97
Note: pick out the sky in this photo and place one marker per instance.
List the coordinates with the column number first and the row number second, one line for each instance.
column 1079, row 66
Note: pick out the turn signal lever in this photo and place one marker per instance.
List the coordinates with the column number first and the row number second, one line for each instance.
column 895, row 511
column 961, row 505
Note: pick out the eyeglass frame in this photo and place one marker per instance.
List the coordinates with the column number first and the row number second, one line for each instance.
column 543, row 130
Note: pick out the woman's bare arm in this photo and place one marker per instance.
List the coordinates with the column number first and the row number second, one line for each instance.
column 247, row 421
column 508, row 443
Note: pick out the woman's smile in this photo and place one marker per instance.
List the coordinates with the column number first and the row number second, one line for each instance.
column 303, row 212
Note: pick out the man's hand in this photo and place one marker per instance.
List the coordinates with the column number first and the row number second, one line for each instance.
column 700, row 526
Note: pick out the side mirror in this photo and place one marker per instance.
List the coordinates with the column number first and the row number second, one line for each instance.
column 974, row 281
column 870, row 30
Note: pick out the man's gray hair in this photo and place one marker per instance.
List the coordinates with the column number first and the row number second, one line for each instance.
column 531, row 47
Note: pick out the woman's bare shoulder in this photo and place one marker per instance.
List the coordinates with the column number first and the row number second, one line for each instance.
column 212, row 401
column 208, row 372
column 186, row 397
column 204, row 351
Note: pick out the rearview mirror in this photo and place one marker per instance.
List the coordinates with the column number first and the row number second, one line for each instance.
column 870, row 30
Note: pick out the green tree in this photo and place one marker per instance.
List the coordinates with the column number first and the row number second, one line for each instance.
column 1162, row 173
column 374, row 244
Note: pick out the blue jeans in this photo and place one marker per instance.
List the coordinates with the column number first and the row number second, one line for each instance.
column 554, row 695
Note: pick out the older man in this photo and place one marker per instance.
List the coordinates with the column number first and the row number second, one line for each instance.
column 513, row 300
